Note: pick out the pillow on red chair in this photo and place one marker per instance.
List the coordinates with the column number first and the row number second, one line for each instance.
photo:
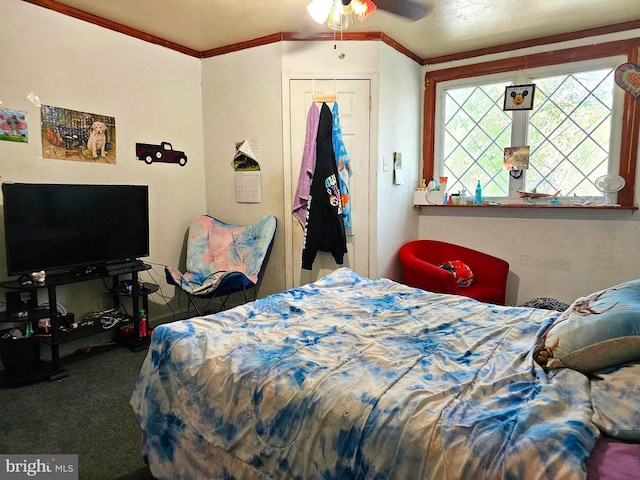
column 460, row 270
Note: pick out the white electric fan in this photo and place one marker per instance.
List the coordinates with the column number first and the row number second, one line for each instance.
column 610, row 185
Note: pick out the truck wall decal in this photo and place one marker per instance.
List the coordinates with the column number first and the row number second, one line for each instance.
column 150, row 153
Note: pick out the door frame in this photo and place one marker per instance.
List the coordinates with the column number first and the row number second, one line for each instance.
column 287, row 77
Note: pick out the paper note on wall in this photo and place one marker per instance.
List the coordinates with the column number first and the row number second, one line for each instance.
column 247, row 177
column 248, row 189
column 398, row 177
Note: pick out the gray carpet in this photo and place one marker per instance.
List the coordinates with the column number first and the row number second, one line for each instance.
column 87, row 414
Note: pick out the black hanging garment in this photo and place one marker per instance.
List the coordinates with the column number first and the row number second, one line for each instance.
column 325, row 227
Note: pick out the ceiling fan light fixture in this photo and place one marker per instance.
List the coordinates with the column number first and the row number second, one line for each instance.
column 320, row 9
column 347, row 6
column 338, row 20
column 363, row 8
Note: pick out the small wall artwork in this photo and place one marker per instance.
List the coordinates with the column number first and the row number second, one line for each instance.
column 162, row 152
column 516, row 158
column 628, row 78
column 519, row 97
column 14, row 126
column 80, row 136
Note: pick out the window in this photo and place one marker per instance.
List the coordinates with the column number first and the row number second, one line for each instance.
column 573, row 130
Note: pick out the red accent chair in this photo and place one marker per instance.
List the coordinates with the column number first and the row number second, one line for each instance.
column 420, row 260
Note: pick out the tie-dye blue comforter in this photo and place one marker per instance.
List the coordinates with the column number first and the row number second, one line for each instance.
column 353, row 378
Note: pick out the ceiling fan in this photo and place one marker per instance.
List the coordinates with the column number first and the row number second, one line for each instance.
column 339, row 12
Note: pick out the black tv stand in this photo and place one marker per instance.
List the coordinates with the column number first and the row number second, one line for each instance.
column 118, row 267
column 86, row 271
column 57, row 336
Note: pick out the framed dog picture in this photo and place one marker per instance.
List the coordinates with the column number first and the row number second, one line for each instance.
column 519, row 97
column 80, row 136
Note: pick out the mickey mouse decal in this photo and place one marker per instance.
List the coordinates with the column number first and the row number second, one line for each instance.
column 519, row 97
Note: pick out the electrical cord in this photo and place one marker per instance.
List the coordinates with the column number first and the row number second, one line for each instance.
column 152, row 274
column 109, row 322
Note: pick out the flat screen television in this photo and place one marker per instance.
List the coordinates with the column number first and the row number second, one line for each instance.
column 62, row 226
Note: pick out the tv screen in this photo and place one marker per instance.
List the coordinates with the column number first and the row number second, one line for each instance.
column 61, row 226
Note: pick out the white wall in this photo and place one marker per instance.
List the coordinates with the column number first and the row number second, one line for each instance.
column 153, row 93
column 554, row 254
column 399, row 127
column 241, row 97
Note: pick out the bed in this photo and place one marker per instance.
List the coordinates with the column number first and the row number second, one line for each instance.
column 349, row 378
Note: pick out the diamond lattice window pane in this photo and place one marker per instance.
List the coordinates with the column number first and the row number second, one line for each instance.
column 569, row 133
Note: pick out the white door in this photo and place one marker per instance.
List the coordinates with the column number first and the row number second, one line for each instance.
column 353, row 102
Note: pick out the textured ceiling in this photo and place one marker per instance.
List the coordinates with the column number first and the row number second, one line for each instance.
column 451, row 26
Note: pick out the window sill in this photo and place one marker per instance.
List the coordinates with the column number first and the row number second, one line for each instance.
column 532, row 206
column 577, row 212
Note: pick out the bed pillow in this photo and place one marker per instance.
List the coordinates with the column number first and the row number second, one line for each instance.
column 598, row 331
column 616, row 403
column 460, row 270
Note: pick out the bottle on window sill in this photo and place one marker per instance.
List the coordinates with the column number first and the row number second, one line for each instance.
column 463, row 196
column 478, row 198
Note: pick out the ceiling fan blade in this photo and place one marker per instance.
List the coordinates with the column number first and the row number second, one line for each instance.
column 405, row 8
